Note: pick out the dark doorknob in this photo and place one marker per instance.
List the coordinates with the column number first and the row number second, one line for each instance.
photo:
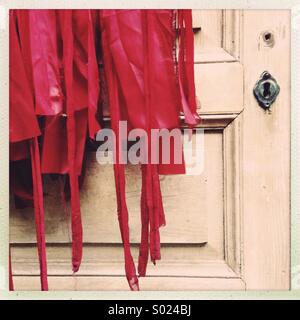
column 266, row 90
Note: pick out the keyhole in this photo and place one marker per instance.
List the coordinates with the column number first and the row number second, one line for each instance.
column 266, row 92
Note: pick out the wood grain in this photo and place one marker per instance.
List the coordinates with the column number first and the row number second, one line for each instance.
column 266, row 155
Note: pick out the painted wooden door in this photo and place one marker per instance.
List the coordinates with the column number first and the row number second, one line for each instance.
column 227, row 228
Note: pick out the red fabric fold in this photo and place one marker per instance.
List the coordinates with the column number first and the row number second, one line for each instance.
column 93, row 78
column 152, row 217
column 24, row 126
column 55, row 144
column 119, row 168
column 54, row 74
column 148, row 93
column 23, row 123
column 151, row 170
column 68, row 52
column 39, row 210
column 144, row 245
column 186, row 67
column 45, row 63
column 11, row 282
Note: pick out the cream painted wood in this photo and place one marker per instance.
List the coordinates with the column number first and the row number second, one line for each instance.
column 232, row 32
column 228, row 228
column 266, row 155
column 219, row 87
column 209, row 40
column 108, row 261
column 119, row 283
column 210, row 22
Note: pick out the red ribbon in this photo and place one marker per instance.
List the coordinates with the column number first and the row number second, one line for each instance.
column 11, row 283
column 68, row 49
column 93, row 79
column 152, row 214
column 186, row 67
column 39, row 210
column 118, row 167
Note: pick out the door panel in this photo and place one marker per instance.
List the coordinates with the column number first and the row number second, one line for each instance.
column 267, row 169
column 227, row 228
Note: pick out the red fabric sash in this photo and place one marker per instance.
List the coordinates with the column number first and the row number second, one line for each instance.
column 141, row 73
column 39, row 210
column 93, row 78
column 11, row 282
column 24, row 126
column 80, row 70
column 152, row 218
column 186, row 67
column 68, row 46
column 151, row 196
column 44, row 55
column 119, row 168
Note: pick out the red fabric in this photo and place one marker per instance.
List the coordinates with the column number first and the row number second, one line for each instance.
column 118, row 168
column 44, row 55
column 54, row 62
column 68, row 53
column 25, row 46
column 124, row 29
column 39, row 210
column 144, row 245
column 55, row 144
column 19, row 150
column 64, row 136
column 151, row 190
column 24, row 126
column 10, row 275
column 79, row 24
column 22, row 120
column 186, row 68
column 93, row 77
column 145, row 90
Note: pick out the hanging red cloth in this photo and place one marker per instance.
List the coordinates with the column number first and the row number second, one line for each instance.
column 68, row 56
column 65, row 133
column 54, row 80
column 81, row 86
column 11, row 282
column 24, row 128
column 114, row 104
column 186, row 67
column 146, row 91
column 46, row 65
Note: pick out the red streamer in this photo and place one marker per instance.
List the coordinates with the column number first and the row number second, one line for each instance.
column 67, row 36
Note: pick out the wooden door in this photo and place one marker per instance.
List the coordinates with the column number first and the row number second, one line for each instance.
column 228, row 228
